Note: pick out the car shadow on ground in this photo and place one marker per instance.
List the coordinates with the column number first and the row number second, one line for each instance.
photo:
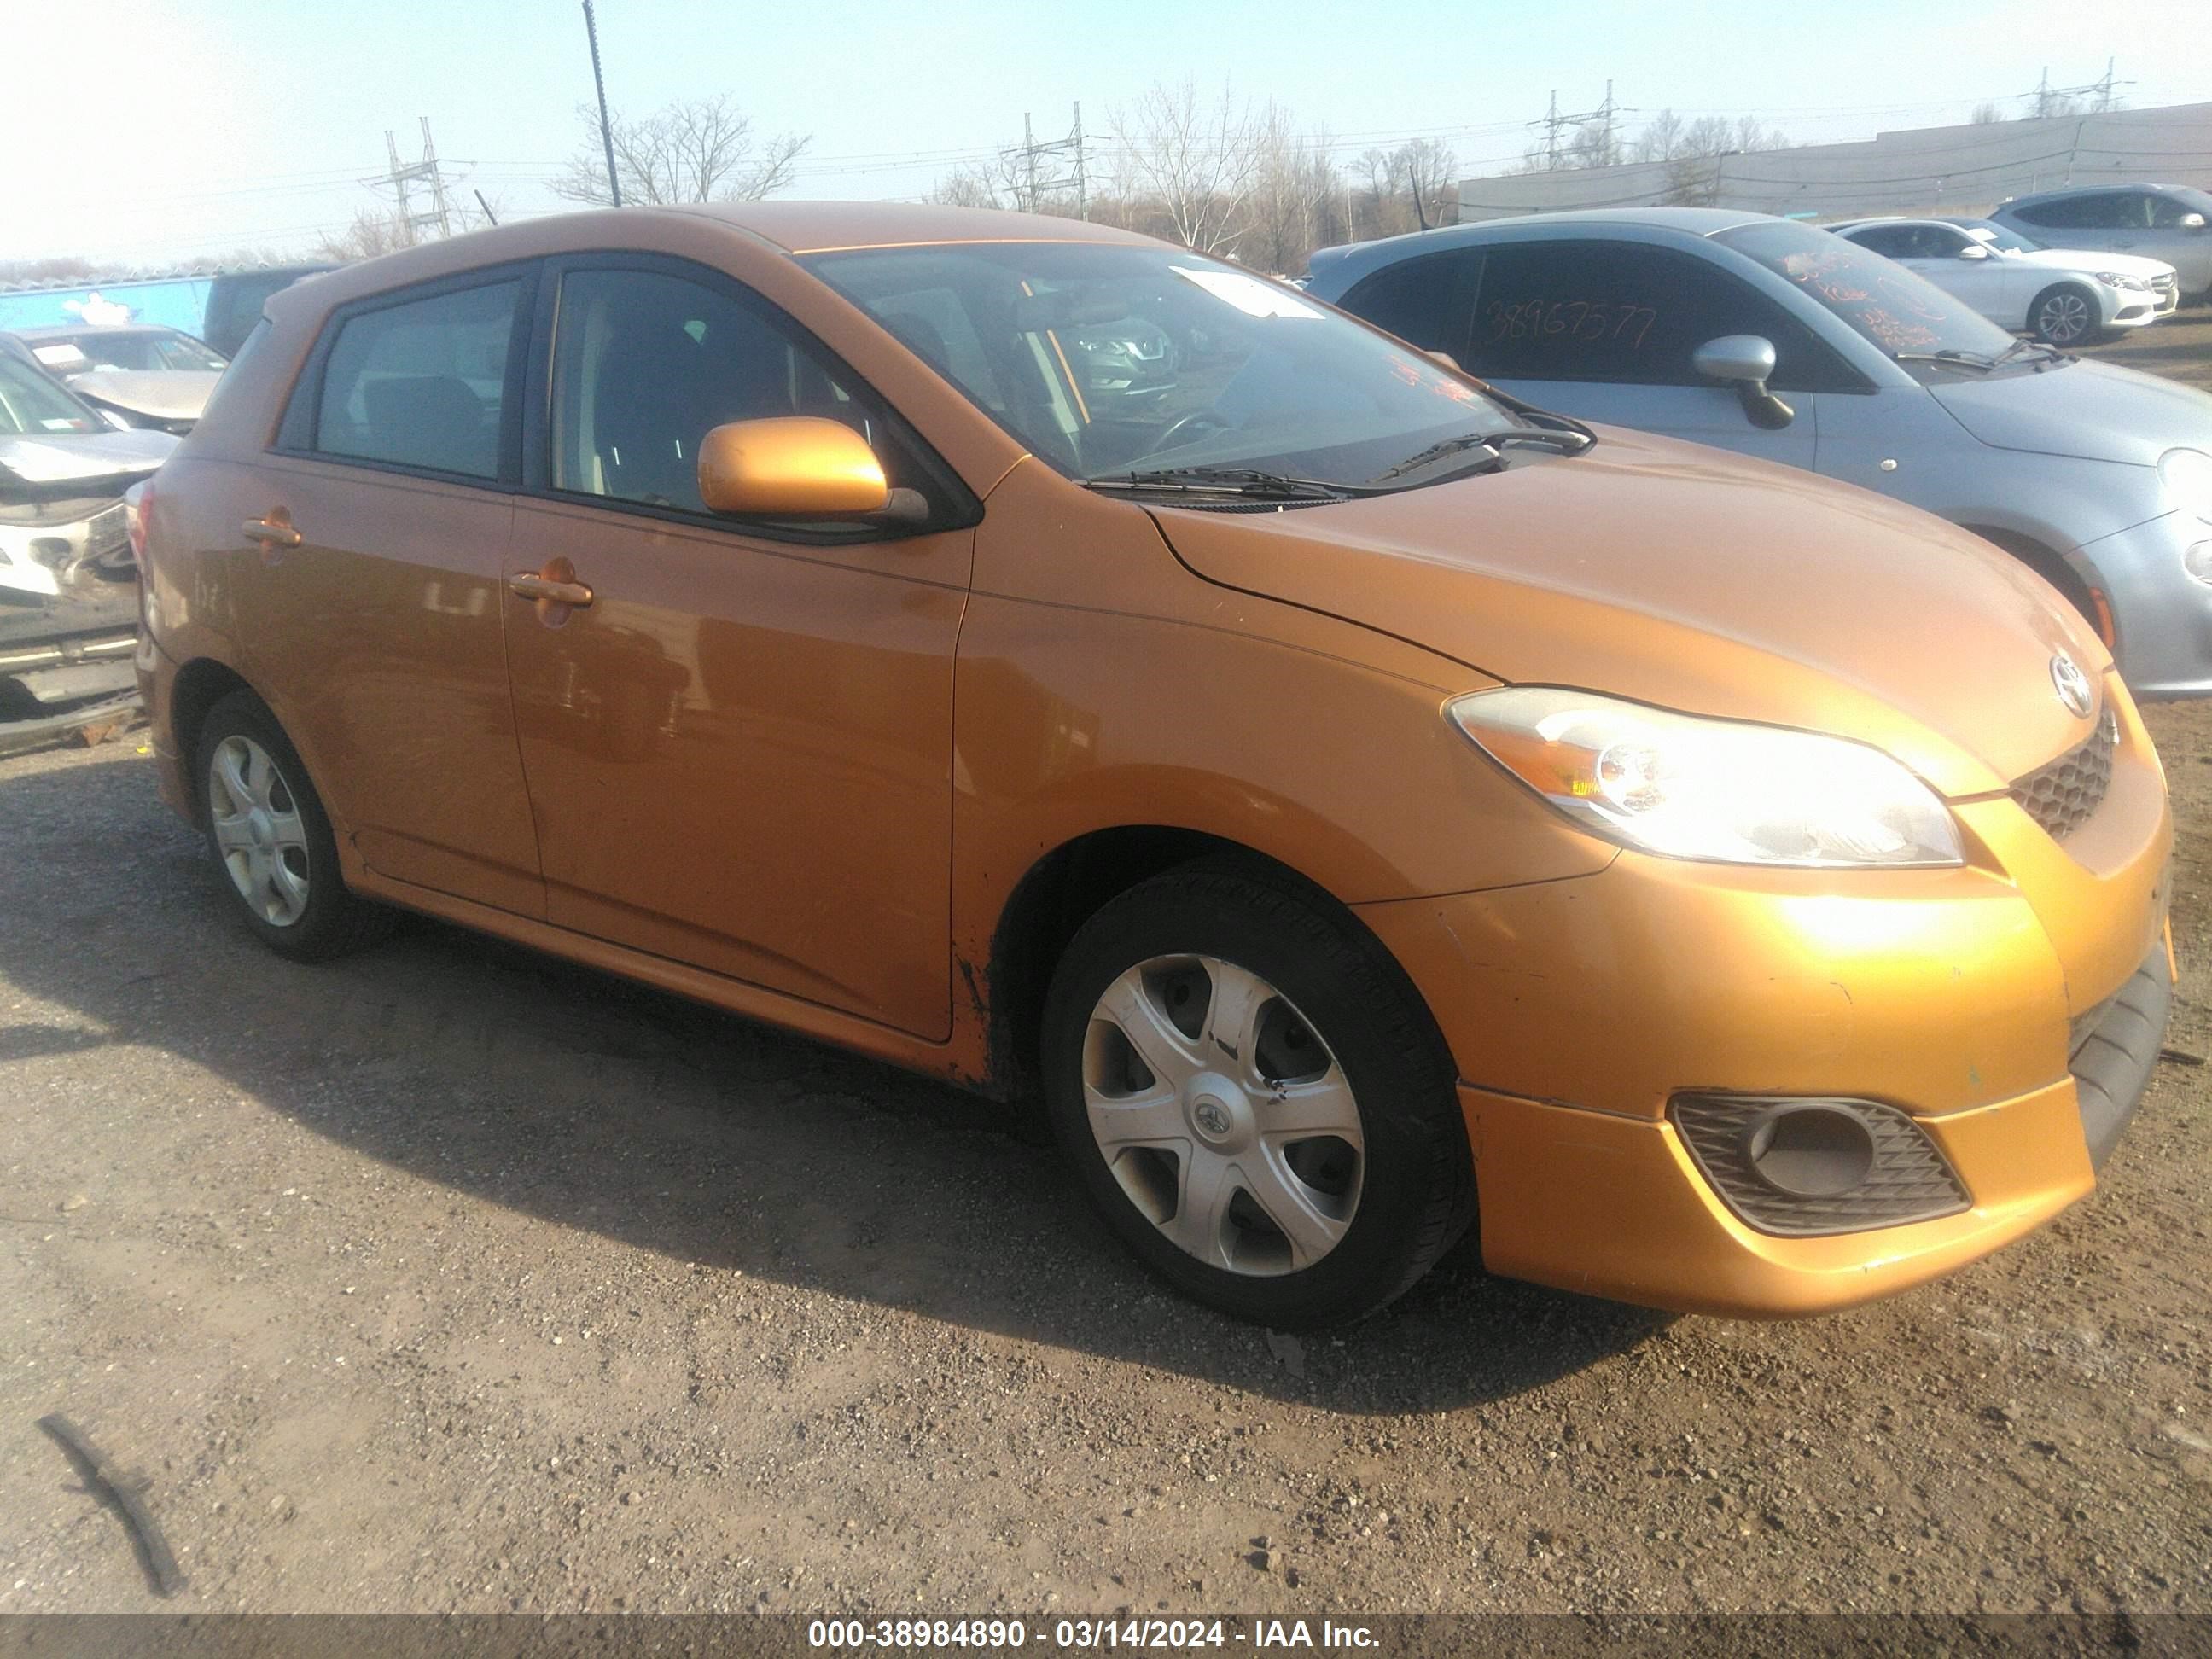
column 585, row 1100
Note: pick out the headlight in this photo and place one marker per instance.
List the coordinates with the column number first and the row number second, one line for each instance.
column 2112, row 279
column 1718, row 790
column 2187, row 476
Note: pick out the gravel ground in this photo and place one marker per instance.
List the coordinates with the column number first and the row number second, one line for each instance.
column 448, row 1277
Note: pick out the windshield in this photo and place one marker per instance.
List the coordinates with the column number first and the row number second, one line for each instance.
column 1900, row 313
column 1999, row 236
column 139, row 351
column 31, row 405
column 1106, row 360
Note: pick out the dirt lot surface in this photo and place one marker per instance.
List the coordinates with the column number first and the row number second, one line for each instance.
column 450, row 1278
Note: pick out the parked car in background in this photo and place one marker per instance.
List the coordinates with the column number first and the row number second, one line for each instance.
column 1299, row 782
column 235, row 298
column 1124, row 357
column 1776, row 339
column 2173, row 222
column 2064, row 298
column 69, row 604
column 72, row 349
column 137, row 374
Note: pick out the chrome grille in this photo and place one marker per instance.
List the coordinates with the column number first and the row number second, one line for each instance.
column 2064, row 795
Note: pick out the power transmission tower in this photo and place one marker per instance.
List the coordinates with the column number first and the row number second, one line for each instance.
column 438, row 218
column 1603, row 117
column 1067, row 158
column 2047, row 100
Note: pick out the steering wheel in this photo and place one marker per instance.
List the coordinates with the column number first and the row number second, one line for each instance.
column 1198, row 420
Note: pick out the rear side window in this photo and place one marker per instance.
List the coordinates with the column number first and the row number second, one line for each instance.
column 1421, row 300
column 421, row 384
column 1628, row 314
column 2108, row 210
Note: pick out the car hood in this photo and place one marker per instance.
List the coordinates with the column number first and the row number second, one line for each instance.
column 176, row 394
column 2088, row 263
column 1683, row 577
column 2092, row 411
column 66, row 458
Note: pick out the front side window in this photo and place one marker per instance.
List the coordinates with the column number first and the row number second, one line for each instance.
column 644, row 364
column 1888, row 240
column 2170, row 208
column 1626, row 314
column 1108, row 359
column 1413, row 298
column 422, row 383
column 1904, row 314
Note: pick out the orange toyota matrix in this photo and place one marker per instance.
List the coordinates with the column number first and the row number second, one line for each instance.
column 1359, row 805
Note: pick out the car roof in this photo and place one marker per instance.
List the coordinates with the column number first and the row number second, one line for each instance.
column 1361, row 259
column 820, row 227
column 2082, row 189
column 789, row 228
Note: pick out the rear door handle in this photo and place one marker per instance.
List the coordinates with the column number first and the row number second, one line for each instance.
column 271, row 533
column 530, row 585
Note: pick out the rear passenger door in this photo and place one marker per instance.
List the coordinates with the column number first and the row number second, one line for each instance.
column 1606, row 329
column 378, row 639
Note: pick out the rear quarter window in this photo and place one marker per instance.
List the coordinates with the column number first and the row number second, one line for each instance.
column 420, row 383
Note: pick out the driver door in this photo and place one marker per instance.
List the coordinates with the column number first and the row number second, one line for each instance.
column 740, row 750
column 1605, row 330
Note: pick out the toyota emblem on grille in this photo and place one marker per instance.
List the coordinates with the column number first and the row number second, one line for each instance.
column 2073, row 685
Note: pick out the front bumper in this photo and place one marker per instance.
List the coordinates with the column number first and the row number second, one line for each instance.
column 2011, row 1008
column 2162, row 614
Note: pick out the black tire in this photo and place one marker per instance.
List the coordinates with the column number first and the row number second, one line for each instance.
column 333, row 920
column 2065, row 314
column 1416, row 1182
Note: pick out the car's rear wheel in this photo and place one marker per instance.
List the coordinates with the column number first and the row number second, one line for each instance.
column 270, row 838
column 2064, row 314
column 1254, row 1099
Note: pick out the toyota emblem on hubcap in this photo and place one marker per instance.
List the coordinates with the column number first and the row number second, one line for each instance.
column 1212, row 1117
column 2073, row 685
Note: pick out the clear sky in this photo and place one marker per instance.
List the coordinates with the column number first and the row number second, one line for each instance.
column 155, row 130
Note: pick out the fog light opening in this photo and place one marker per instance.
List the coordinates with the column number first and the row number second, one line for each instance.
column 1809, row 1150
column 2197, row 559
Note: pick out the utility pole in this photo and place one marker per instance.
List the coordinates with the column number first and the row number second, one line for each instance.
column 1028, row 188
column 599, row 85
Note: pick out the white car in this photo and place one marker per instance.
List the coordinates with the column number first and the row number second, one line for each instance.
column 2065, row 297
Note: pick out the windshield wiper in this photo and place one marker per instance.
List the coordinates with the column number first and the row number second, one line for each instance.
column 1225, row 481
column 1566, row 442
column 1951, row 358
column 2018, row 346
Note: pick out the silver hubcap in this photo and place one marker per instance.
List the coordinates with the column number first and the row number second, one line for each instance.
column 1222, row 1115
column 258, row 830
column 2064, row 317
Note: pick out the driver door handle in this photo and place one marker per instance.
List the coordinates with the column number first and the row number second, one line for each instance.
column 530, row 585
column 271, row 533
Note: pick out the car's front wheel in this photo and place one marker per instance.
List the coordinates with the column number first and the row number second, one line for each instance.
column 2064, row 314
column 1256, row 1099
column 270, row 838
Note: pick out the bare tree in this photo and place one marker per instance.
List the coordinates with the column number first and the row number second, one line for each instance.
column 1428, row 169
column 373, row 231
column 1986, row 115
column 1660, row 139
column 1195, row 159
column 697, row 150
